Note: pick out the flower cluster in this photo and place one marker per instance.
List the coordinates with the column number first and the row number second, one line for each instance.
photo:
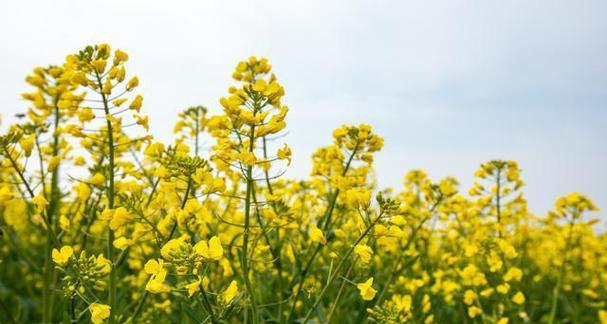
column 100, row 222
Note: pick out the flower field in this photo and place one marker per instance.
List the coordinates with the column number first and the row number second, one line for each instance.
column 100, row 222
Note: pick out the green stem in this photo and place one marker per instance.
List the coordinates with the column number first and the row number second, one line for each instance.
column 276, row 251
column 327, row 221
column 559, row 280
column 245, row 236
column 51, row 212
column 339, row 266
column 339, row 293
column 139, row 305
column 498, row 202
column 207, row 303
column 197, row 134
column 51, row 237
column 110, row 198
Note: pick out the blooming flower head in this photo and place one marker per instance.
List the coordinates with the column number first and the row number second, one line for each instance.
column 316, row 235
column 61, row 257
column 210, row 250
column 230, row 293
column 99, row 312
column 156, row 283
column 366, row 289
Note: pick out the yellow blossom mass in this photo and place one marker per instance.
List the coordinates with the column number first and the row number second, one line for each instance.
column 101, row 221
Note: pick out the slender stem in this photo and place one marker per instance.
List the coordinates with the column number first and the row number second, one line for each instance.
column 245, row 236
column 41, row 164
column 339, row 294
column 51, row 237
column 46, row 289
column 19, row 172
column 110, row 198
column 140, row 305
column 72, row 309
column 186, row 195
column 327, row 221
column 197, row 134
column 276, row 251
column 339, row 266
column 329, row 214
column 51, row 212
column 207, row 303
column 145, row 293
column 559, row 280
column 498, row 202
column 49, row 228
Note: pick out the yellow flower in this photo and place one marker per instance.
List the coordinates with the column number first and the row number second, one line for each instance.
column 447, row 187
column 260, row 85
column 316, row 235
column 474, row 311
column 97, row 180
column 469, row 297
column 143, row 121
column 118, row 102
column 120, row 217
column 215, row 248
column 366, row 289
column 230, row 293
column 120, row 56
column 53, row 163
column 122, row 243
column 494, row 261
column 173, row 247
column 364, row 252
column 156, row 284
column 248, row 158
column 507, row 248
column 106, row 214
column 503, row 288
column 99, row 65
column 487, row 292
column 284, row 153
column 358, row 198
column 64, row 222
column 136, row 103
column 61, row 257
column 40, row 202
column 153, row 267
column 103, row 50
column 590, row 293
column 99, row 312
column 274, row 89
column 193, row 287
column 104, row 265
column 403, row 304
column 27, row 144
column 107, row 87
column 79, row 161
column 80, row 78
column 85, row 115
column 513, row 273
column 503, row 320
column 211, row 250
column 132, row 84
column 518, row 298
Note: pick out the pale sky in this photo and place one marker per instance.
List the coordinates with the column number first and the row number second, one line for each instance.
column 448, row 84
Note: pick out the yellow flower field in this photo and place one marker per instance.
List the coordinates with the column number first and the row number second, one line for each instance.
column 101, row 222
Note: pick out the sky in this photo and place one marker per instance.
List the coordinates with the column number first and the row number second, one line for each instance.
column 448, row 84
